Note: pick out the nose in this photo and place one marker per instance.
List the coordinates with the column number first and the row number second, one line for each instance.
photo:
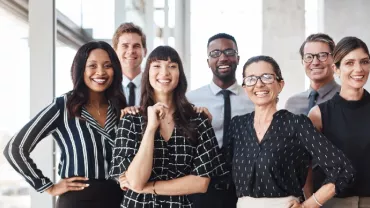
column 358, row 67
column 100, row 70
column 222, row 57
column 164, row 70
column 315, row 60
column 259, row 83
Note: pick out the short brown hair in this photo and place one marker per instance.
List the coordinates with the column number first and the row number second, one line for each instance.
column 345, row 46
column 128, row 27
column 318, row 37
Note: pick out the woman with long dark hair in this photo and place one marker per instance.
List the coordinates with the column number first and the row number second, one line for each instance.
column 83, row 123
column 345, row 120
column 167, row 151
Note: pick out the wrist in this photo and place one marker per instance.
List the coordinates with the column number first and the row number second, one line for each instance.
column 49, row 190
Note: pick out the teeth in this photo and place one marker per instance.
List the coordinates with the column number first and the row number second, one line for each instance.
column 223, row 66
column 99, row 80
column 163, row 81
column 357, row 77
column 261, row 93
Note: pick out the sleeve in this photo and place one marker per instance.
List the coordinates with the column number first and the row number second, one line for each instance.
column 126, row 146
column 208, row 160
column 334, row 163
column 18, row 150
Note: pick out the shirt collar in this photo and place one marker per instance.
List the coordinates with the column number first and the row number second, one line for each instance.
column 324, row 90
column 136, row 80
column 233, row 88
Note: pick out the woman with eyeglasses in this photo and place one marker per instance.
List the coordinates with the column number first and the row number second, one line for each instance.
column 345, row 119
column 272, row 149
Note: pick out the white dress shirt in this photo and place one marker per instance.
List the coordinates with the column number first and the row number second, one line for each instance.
column 209, row 96
column 137, row 82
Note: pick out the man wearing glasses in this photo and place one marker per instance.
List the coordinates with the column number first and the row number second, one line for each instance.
column 316, row 53
column 225, row 99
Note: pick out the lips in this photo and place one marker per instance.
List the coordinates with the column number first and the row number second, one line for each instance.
column 224, row 68
column 100, row 80
column 357, row 77
column 262, row 93
column 163, row 81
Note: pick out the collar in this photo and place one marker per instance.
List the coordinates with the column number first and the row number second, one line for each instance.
column 234, row 88
column 324, row 90
column 136, row 80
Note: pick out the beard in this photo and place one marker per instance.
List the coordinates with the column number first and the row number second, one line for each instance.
column 227, row 76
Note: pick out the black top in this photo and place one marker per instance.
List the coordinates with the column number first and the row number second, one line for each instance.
column 86, row 147
column 278, row 166
column 347, row 125
column 175, row 158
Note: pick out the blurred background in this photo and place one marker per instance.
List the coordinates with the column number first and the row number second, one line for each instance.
column 36, row 53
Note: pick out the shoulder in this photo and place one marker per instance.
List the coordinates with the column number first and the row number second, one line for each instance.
column 297, row 97
column 193, row 94
column 200, row 119
column 129, row 119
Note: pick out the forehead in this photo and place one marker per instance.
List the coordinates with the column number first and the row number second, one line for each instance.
column 316, row 47
column 259, row 68
column 98, row 54
column 221, row 44
column 358, row 53
column 129, row 38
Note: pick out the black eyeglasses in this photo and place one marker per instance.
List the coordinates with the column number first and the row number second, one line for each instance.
column 322, row 56
column 217, row 53
column 265, row 79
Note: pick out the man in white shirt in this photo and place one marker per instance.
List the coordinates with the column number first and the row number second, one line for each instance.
column 224, row 98
column 129, row 42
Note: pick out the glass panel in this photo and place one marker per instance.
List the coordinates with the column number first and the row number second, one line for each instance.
column 158, row 3
column 14, row 109
column 74, row 12
column 171, row 13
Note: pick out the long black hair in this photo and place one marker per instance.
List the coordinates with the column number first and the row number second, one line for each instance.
column 184, row 110
column 80, row 93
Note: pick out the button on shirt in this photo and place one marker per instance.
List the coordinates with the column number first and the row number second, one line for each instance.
column 278, row 165
column 126, row 90
column 209, row 96
column 298, row 104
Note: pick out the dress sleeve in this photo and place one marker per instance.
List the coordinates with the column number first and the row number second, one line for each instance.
column 20, row 146
column 334, row 163
column 125, row 147
column 208, row 160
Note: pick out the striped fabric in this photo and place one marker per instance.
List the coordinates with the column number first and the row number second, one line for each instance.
column 86, row 147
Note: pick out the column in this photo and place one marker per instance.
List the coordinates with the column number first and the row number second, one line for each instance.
column 342, row 18
column 283, row 33
column 42, row 31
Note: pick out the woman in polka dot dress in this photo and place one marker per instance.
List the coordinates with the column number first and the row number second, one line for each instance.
column 272, row 149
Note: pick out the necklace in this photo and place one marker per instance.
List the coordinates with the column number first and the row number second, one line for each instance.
column 98, row 108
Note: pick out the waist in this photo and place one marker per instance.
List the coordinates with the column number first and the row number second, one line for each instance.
column 279, row 202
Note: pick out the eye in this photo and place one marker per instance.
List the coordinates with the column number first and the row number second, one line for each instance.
column 365, row 62
column 155, row 65
column 350, row 63
column 173, row 66
column 108, row 66
column 92, row 66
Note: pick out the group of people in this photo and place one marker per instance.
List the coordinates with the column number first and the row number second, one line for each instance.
column 223, row 145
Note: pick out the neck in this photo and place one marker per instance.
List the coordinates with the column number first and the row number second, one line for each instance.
column 316, row 85
column 223, row 84
column 166, row 99
column 97, row 99
column 131, row 73
column 265, row 112
column 351, row 93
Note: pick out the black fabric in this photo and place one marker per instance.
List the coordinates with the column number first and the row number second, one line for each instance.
column 277, row 166
column 131, row 97
column 312, row 99
column 227, row 113
column 347, row 125
column 217, row 196
column 99, row 194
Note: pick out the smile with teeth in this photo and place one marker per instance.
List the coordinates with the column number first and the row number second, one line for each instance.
column 100, row 81
column 261, row 93
column 357, row 77
column 163, row 81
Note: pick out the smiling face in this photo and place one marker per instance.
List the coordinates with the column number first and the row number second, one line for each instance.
column 98, row 75
column 262, row 94
column 164, row 76
column 354, row 69
column 130, row 51
column 318, row 71
column 224, row 66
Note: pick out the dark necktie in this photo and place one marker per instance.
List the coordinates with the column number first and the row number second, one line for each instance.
column 312, row 100
column 227, row 115
column 131, row 97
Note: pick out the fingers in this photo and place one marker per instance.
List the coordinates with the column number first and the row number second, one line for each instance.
column 130, row 110
column 295, row 204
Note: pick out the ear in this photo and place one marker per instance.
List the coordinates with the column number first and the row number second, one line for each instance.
column 208, row 63
column 238, row 60
column 335, row 69
column 281, row 84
